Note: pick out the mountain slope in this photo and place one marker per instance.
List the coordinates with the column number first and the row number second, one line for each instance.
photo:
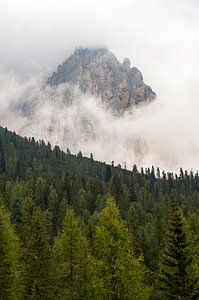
column 29, row 169
column 83, row 106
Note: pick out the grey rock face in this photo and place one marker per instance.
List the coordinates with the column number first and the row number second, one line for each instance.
column 97, row 72
column 59, row 113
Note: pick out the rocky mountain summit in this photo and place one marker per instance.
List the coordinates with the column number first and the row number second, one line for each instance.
column 97, row 72
column 82, row 107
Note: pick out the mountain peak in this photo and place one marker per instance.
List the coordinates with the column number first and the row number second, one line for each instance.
column 126, row 64
column 90, row 51
column 97, row 72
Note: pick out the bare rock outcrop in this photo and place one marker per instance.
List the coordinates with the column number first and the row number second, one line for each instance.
column 97, row 72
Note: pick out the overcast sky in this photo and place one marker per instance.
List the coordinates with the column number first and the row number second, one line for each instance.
column 160, row 37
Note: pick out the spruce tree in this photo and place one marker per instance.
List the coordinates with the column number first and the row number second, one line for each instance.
column 9, row 258
column 73, row 269
column 121, row 272
column 40, row 192
column 176, row 280
column 35, row 254
column 53, row 209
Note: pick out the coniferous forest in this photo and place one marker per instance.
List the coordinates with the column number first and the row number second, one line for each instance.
column 75, row 228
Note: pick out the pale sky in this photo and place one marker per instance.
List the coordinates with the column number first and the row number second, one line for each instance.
column 160, row 37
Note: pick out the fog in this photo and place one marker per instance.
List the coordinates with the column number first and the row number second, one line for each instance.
column 160, row 134
column 161, row 39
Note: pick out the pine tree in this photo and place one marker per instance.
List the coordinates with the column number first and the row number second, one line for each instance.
column 53, row 209
column 108, row 173
column 176, row 280
column 40, row 192
column 35, row 254
column 9, row 257
column 10, row 159
column 122, row 273
column 72, row 265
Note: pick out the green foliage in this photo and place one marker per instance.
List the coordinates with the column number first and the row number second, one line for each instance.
column 55, row 181
column 122, row 273
column 53, row 207
column 176, row 280
column 40, row 192
column 16, row 202
column 81, row 205
column 72, row 265
column 9, row 258
column 35, row 254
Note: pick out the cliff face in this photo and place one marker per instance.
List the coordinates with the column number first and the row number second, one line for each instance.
column 97, row 72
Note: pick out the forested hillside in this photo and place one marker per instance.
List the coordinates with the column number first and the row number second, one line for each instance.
column 74, row 228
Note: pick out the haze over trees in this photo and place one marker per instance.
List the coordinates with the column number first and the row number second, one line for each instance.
column 74, row 228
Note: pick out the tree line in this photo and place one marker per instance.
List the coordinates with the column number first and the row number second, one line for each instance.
column 74, row 228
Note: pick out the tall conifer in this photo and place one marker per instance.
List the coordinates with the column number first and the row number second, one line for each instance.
column 175, row 278
column 72, row 265
column 121, row 272
column 35, row 254
column 9, row 255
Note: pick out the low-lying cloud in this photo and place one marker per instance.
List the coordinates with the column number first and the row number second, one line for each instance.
column 160, row 39
column 163, row 134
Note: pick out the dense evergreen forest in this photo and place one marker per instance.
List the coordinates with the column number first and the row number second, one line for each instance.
column 75, row 228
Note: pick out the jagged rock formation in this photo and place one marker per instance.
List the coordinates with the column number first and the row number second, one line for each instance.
column 82, row 105
column 98, row 72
